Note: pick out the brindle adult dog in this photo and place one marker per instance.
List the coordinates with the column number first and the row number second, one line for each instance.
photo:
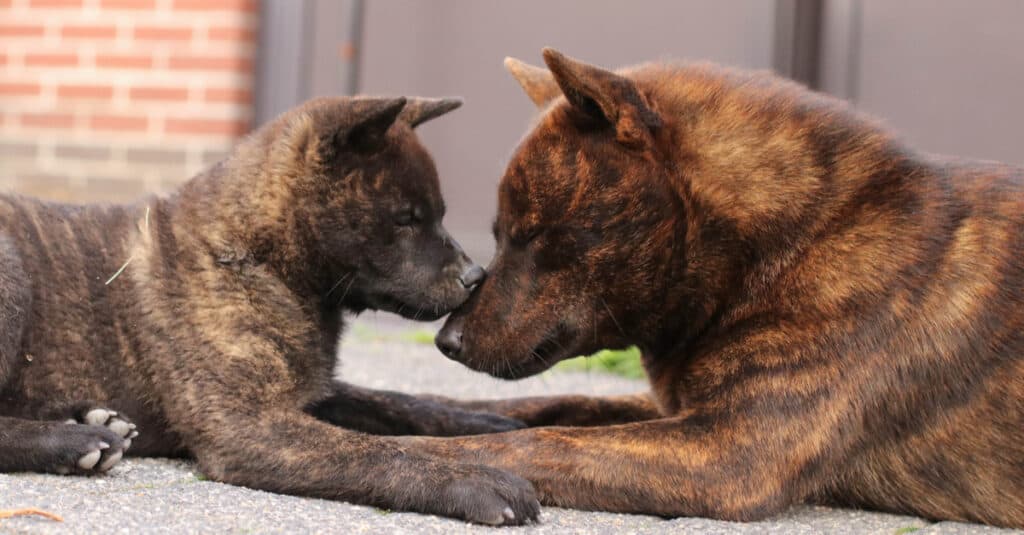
column 212, row 317
column 825, row 314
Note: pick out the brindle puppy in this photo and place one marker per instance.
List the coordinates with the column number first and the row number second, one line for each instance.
column 212, row 317
column 825, row 314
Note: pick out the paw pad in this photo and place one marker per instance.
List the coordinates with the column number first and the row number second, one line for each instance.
column 99, row 436
column 111, row 420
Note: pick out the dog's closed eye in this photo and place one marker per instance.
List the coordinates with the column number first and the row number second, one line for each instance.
column 408, row 216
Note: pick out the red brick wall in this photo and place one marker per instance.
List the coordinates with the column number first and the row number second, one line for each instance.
column 109, row 99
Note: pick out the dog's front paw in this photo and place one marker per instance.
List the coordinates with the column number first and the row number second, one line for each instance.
column 82, row 449
column 91, row 414
column 458, row 422
column 92, row 440
column 486, row 495
column 433, row 418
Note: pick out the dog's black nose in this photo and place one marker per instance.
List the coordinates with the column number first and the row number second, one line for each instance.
column 472, row 276
column 449, row 341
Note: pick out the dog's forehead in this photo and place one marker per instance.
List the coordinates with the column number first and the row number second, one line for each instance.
column 541, row 179
column 409, row 168
column 521, row 187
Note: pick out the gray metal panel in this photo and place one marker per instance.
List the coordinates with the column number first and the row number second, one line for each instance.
column 333, row 47
column 946, row 73
column 281, row 73
column 308, row 48
column 797, row 36
column 839, row 55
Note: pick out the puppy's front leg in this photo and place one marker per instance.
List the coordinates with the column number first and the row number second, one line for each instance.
column 569, row 410
column 289, row 451
column 58, row 447
column 383, row 412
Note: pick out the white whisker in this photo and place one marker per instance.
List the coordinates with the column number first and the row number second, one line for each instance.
column 347, row 288
column 335, row 287
column 606, row 307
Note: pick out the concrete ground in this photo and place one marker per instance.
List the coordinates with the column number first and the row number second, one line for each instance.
column 165, row 496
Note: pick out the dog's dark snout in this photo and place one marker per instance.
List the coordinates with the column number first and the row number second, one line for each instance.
column 449, row 341
column 473, row 276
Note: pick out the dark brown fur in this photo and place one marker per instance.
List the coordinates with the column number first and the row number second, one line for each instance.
column 825, row 314
column 219, row 336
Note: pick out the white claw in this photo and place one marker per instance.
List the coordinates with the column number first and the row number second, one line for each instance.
column 134, row 434
column 127, row 443
column 70, row 421
column 509, row 513
column 63, row 470
column 120, row 427
column 104, row 445
column 111, row 461
column 97, row 417
column 89, row 460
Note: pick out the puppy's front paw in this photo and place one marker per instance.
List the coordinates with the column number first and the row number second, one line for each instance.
column 83, row 449
column 459, row 422
column 90, row 414
column 435, row 418
column 486, row 495
column 93, row 439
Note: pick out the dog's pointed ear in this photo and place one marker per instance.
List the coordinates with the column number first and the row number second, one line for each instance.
column 538, row 83
column 322, row 129
column 605, row 96
column 368, row 124
column 420, row 110
column 328, row 127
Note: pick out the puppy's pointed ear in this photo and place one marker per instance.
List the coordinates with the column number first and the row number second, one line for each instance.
column 605, row 96
column 420, row 110
column 538, row 83
column 321, row 130
column 369, row 120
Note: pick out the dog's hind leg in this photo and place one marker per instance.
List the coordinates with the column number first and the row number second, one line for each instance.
column 382, row 412
column 572, row 410
column 15, row 306
column 83, row 440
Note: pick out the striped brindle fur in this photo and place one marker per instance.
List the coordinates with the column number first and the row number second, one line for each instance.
column 825, row 314
column 206, row 323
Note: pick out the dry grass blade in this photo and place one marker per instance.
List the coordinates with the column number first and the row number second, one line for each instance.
column 29, row 512
column 144, row 229
column 115, row 275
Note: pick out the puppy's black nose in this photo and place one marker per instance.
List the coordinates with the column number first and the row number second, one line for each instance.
column 449, row 341
column 472, row 276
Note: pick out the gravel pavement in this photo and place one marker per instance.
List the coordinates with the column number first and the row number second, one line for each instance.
column 165, row 496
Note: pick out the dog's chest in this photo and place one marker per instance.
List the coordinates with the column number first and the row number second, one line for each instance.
column 305, row 337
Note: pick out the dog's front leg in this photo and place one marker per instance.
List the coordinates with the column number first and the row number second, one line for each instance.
column 383, row 412
column 90, row 446
column 682, row 466
column 568, row 410
column 289, row 451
